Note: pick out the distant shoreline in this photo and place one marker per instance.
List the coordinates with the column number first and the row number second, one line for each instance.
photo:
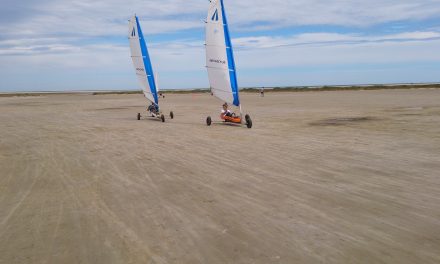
column 244, row 90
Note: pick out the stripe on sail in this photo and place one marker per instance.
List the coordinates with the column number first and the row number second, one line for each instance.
column 231, row 61
column 147, row 63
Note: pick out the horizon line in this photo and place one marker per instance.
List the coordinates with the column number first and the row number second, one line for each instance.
column 207, row 89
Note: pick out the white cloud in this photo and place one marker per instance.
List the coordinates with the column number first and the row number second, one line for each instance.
column 357, row 13
column 328, row 39
column 84, row 37
column 64, row 23
column 341, row 54
column 105, row 18
column 181, row 57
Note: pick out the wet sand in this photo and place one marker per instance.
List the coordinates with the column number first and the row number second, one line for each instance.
column 323, row 177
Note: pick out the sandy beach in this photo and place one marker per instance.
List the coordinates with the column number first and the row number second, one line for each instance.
column 322, row 177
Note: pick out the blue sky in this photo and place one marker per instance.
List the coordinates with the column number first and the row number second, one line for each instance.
column 82, row 44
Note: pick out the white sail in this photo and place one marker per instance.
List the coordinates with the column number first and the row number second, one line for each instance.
column 219, row 55
column 141, row 60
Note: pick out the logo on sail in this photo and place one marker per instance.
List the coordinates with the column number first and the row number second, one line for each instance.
column 215, row 16
column 217, row 61
column 133, row 33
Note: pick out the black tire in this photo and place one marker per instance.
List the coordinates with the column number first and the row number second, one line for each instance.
column 208, row 121
column 249, row 123
column 139, row 116
column 162, row 117
column 247, row 117
column 172, row 115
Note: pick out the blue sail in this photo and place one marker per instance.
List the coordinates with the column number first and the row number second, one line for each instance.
column 231, row 61
column 147, row 63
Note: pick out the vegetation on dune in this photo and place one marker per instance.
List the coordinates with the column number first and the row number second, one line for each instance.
column 190, row 91
column 294, row 89
column 343, row 88
column 116, row 92
column 17, row 94
column 250, row 90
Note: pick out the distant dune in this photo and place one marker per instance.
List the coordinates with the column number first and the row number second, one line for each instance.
column 248, row 90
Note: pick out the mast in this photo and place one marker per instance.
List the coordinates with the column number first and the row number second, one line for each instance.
column 156, row 79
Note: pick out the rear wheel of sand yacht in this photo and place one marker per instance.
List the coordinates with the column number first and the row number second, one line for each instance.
column 139, row 116
column 172, row 115
column 208, row 121
column 248, row 121
column 162, row 117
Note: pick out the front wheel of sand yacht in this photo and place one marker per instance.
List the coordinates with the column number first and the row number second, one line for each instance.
column 171, row 115
column 208, row 121
column 139, row 116
column 162, row 117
